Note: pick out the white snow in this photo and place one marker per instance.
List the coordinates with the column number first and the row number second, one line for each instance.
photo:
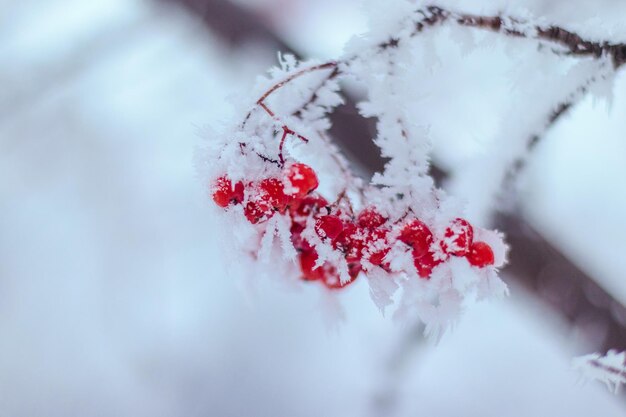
column 115, row 294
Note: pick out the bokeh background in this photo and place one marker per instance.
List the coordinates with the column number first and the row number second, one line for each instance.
column 115, row 300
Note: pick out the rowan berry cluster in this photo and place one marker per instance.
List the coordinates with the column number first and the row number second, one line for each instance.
column 364, row 239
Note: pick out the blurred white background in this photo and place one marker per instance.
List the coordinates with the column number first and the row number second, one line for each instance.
column 114, row 299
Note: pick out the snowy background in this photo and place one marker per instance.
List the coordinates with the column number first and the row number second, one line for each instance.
column 114, row 300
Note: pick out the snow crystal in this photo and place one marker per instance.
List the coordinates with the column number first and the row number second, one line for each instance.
column 609, row 369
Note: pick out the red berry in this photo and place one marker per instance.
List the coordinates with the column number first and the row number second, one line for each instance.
column 224, row 193
column 371, row 218
column 272, row 191
column 425, row 263
column 342, row 242
column 480, row 255
column 307, row 265
column 354, row 269
column 377, row 258
column 326, row 273
column 300, row 179
column 352, row 241
column 417, row 235
column 297, row 240
column 296, row 228
column 458, row 238
column 301, row 209
column 332, row 280
column 238, row 193
column 377, row 247
column 256, row 211
column 329, row 227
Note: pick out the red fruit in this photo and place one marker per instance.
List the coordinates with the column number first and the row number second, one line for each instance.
column 303, row 208
column 354, row 269
column 300, row 179
column 307, row 265
column 238, row 193
column 256, row 211
column 458, row 238
column 351, row 241
column 425, row 263
column 377, row 247
column 297, row 240
column 371, row 218
column 480, row 255
column 342, row 242
column 296, row 228
column 332, row 280
column 329, row 227
column 224, row 193
column 377, row 258
column 417, row 235
column 326, row 273
column 272, row 191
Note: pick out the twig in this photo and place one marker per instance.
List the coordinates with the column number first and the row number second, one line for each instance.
column 572, row 43
column 432, row 16
column 519, row 164
column 608, row 369
column 261, row 101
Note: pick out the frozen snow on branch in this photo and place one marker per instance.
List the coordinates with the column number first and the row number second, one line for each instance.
column 277, row 175
column 609, row 369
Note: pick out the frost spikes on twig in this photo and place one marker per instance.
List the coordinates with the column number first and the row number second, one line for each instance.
column 610, row 369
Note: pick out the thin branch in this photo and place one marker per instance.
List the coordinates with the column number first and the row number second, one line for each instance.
column 572, row 43
column 564, row 106
column 261, row 101
column 532, row 256
column 314, row 96
column 619, row 372
column 287, row 131
column 432, row 16
column 610, row 368
column 295, row 75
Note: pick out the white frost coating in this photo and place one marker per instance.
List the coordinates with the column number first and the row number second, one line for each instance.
column 609, row 369
column 285, row 120
column 267, row 241
column 480, row 180
column 382, row 289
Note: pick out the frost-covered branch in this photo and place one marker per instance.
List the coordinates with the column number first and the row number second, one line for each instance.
column 402, row 232
column 565, row 43
column 562, row 41
column 318, row 237
column 610, row 369
column 284, row 128
column 261, row 101
column 500, row 165
column 569, row 42
column 597, row 75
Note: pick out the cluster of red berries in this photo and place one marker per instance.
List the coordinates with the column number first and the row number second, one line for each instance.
column 268, row 196
column 364, row 239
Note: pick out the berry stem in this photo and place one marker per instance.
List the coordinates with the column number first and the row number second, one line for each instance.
column 286, row 131
column 267, row 109
column 566, row 44
column 330, row 64
column 261, row 101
